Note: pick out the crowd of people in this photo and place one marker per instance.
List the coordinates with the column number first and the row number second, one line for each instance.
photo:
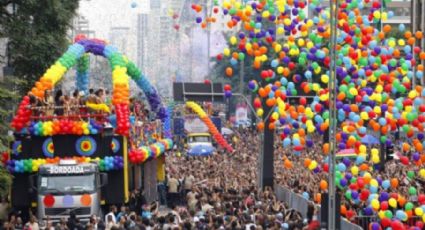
column 220, row 192
column 215, row 192
column 67, row 104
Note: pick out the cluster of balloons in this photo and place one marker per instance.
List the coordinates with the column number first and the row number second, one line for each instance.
column 153, row 151
column 23, row 115
column 120, row 88
column 63, row 127
column 375, row 74
column 107, row 163
column 152, row 95
column 82, row 80
column 211, row 127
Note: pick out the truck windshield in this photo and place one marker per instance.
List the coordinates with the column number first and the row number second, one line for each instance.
column 67, row 184
column 199, row 139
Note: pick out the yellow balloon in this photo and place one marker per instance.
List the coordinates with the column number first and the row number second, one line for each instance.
column 325, row 78
column 375, row 204
column 362, row 148
column 374, row 183
column 355, row 170
column 226, row 52
column 419, row 211
column 260, row 112
column 312, row 165
column 422, row 173
column 233, row 40
column 392, row 202
column 280, row 30
column 374, row 151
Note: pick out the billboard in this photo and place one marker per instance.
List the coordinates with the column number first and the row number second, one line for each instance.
column 241, row 113
column 193, row 124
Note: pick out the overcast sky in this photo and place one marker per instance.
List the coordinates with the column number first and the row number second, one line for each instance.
column 103, row 14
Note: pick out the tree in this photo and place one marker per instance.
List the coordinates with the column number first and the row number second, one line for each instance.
column 8, row 99
column 37, row 34
column 5, row 182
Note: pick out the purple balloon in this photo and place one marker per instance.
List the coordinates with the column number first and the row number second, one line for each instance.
column 375, row 226
column 343, row 182
column 354, row 195
column 416, row 156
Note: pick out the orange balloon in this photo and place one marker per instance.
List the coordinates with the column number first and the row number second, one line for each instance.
column 229, row 71
column 301, row 132
column 272, row 126
column 323, row 185
column 394, row 182
column 343, row 210
column 364, row 167
column 287, row 164
column 307, row 162
column 270, row 102
column 260, row 125
column 401, row 201
column 406, row 147
column 262, row 92
column 326, row 148
column 318, row 198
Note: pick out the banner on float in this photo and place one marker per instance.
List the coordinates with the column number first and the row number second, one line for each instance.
column 193, row 124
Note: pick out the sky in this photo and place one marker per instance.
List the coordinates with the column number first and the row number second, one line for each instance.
column 103, row 14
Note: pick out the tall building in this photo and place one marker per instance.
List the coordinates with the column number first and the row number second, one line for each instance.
column 80, row 25
column 118, row 38
column 142, row 41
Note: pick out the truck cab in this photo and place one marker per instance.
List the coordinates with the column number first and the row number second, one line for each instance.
column 68, row 187
column 194, row 139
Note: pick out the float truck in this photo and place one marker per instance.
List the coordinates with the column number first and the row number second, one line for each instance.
column 68, row 187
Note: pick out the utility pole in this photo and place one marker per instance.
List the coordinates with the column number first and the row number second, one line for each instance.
column 333, row 118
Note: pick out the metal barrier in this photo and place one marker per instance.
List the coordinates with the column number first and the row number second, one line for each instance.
column 299, row 203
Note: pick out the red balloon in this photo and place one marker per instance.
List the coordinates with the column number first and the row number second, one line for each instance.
column 227, row 87
column 421, row 199
column 384, row 205
column 404, row 160
column 385, row 222
column 350, row 214
column 207, row 82
column 303, row 101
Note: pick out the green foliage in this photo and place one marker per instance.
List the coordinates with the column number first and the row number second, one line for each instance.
column 37, row 33
column 5, row 182
column 9, row 102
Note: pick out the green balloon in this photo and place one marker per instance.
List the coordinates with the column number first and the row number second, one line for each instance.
column 388, row 214
column 408, row 206
column 411, row 174
column 348, row 194
column 241, row 56
column 412, row 191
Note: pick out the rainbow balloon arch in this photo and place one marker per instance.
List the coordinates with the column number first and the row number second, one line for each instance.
column 122, row 70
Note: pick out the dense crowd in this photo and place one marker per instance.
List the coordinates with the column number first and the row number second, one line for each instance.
column 220, row 192
column 215, row 192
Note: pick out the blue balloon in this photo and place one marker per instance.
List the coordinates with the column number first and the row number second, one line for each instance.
column 386, row 184
column 306, row 195
column 286, row 142
column 341, row 167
